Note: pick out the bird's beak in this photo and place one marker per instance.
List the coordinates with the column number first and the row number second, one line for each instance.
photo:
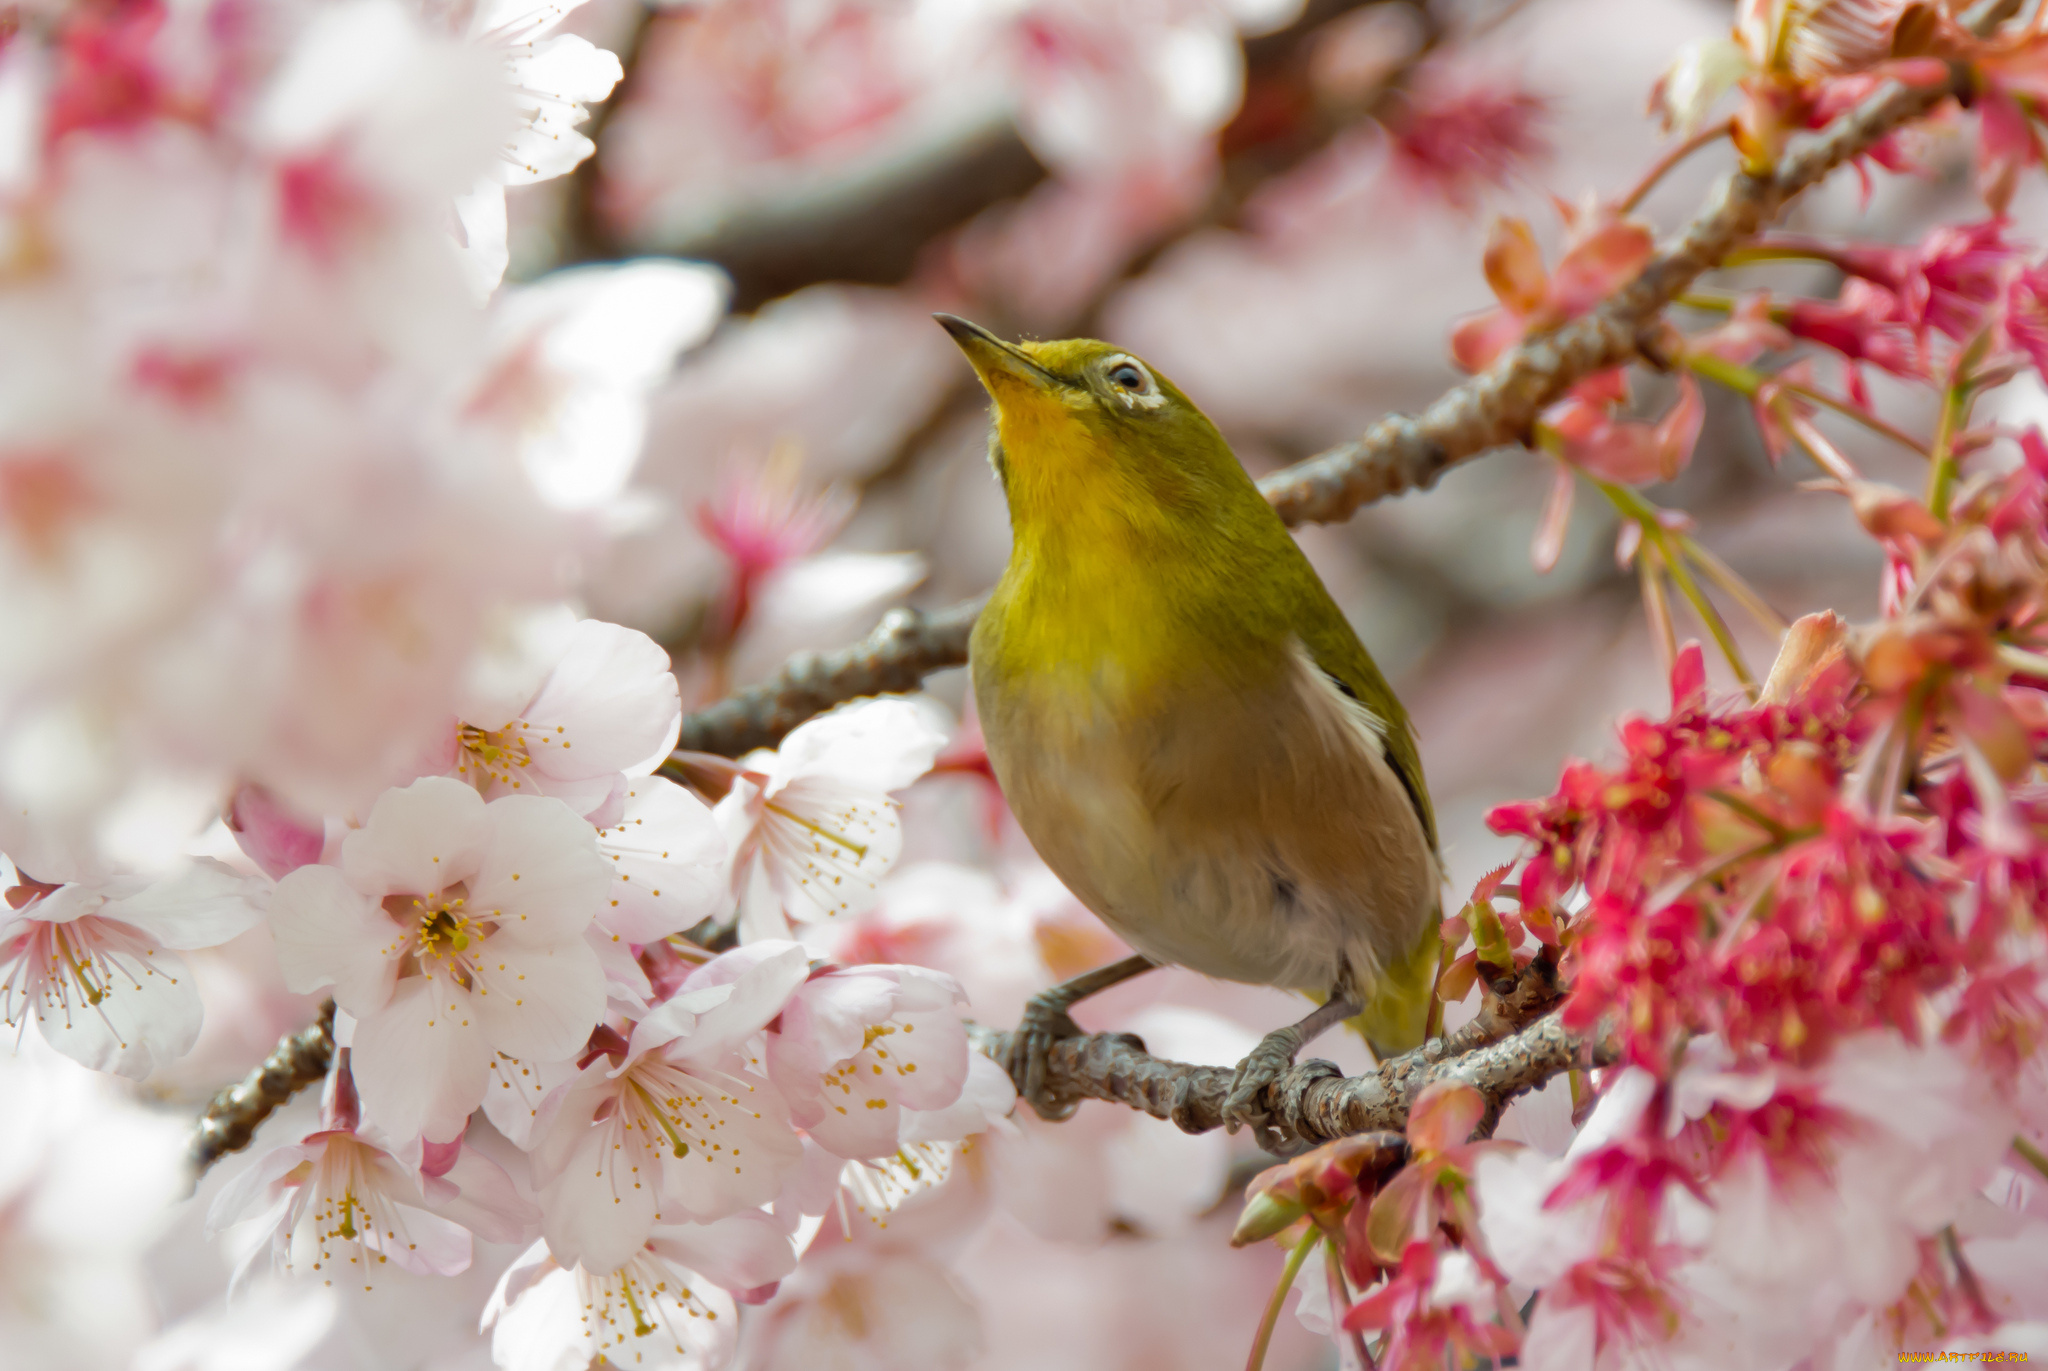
column 1000, row 365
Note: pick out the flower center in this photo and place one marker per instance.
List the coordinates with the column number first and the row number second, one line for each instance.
column 444, row 931
column 495, row 755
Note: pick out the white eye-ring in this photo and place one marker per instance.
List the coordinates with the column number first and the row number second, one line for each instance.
column 1131, row 383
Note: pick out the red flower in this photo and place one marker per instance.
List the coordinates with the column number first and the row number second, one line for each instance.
column 1458, row 136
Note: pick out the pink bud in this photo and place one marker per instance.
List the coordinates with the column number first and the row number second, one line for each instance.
column 274, row 836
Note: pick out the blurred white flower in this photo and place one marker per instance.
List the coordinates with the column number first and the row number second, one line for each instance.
column 811, row 826
column 453, row 933
column 551, row 78
column 87, row 1180
column 574, row 359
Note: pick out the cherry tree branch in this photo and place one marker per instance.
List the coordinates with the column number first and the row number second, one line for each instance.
column 1398, row 454
column 1515, row 1044
column 233, row 1116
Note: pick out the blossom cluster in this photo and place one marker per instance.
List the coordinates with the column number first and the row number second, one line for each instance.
column 1797, row 930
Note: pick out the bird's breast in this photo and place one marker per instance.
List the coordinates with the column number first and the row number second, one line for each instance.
column 1235, row 822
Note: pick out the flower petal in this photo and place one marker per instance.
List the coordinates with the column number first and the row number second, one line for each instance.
column 420, row 839
column 421, row 1062
column 540, row 874
column 330, row 934
column 538, row 1003
column 667, row 858
column 610, row 705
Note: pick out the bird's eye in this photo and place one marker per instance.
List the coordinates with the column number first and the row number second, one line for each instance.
column 1126, row 376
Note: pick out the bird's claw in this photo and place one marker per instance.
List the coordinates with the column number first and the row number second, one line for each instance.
column 1044, row 1023
column 1268, row 1062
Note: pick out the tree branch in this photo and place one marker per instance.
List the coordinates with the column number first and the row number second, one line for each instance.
column 1398, row 454
column 233, row 1116
column 896, row 657
column 1515, row 1044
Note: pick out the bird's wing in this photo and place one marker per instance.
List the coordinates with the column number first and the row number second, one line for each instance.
column 1336, row 650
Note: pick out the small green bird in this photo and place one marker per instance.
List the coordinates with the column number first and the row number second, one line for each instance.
column 1184, row 724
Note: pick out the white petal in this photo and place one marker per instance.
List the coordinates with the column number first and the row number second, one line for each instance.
column 740, row 1252
column 540, row 875
column 203, row 905
column 486, row 1201
column 825, row 844
column 513, row 1095
column 600, row 1210
column 537, row 1003
column 876, row 745
column 329, row 934
column 148, row 1013
column 739, row 1164
column 423, row 838
column 758, row 995
column 611, row 704
column 544, row 1329
column 421, row 1061
column 667, row 858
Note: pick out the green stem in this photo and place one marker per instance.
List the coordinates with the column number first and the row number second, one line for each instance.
column 1749, row 381
column 1724, row 576
column 1634, row 506
column 1941, row 476
column 1272, row 1315
column 1751, row 813
column 2034, row 1156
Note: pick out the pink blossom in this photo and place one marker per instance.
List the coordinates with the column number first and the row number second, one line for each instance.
column 1602, row 250
column 339, row 1206
column 855, row 1048
column 660, row 1308
column 452, row 931
column 811, row 826
column 91, row 959
column 674, row 1123
column 606, row 708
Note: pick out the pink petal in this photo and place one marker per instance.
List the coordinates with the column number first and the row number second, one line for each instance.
column 421, row 1062
column 273, row 835
column 611, row 700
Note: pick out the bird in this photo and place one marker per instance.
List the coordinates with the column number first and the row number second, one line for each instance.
column 1184, row 724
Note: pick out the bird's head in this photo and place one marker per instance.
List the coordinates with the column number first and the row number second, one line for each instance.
column 1084, row 426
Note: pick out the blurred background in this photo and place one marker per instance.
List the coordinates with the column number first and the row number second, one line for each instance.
column 1280, row 205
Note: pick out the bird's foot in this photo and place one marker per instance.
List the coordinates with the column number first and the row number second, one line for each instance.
column 1268, row 1062
column 1045, row 1022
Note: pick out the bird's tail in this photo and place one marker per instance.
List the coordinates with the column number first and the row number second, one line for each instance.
column 1397, row 1014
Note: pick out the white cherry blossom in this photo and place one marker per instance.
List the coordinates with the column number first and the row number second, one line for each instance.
column 652, row 1310
column 337, row 1206
column 91, row 959
column 811, row 825
column 606, row 708
column 856, row 1047
column 678, row 1126
column 551, row 78
column 453, row 931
